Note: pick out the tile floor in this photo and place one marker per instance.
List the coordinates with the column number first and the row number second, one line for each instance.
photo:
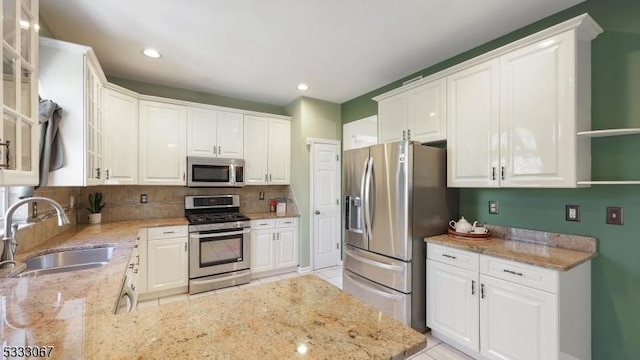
column 435, row 349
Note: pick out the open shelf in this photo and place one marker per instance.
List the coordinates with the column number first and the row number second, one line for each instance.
column 609, row 132
column 613, row 182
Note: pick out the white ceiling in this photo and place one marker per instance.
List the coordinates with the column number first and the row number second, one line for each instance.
column 260, row 50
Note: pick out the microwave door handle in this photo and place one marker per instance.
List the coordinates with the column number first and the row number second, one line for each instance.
column 232, row 174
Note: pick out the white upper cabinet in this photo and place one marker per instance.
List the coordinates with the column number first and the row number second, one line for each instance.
column 214, row 133
column 19, row 133
column 473, row 125
column 279, row 152
column 163, row 133
column 417, row 114
column 513, row 119
column 120, row 110
column 70, row 75
column 539, row 119
column 267, row 151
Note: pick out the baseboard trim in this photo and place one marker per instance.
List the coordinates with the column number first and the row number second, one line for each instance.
column 304, row 270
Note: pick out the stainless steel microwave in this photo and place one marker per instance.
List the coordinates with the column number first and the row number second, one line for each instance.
column 214, row 172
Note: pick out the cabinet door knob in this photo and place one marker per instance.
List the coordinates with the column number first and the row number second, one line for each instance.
column 317, row 212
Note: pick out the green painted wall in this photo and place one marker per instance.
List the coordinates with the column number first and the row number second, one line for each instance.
column 311, row 118
column 195, row 96
column 615, row 103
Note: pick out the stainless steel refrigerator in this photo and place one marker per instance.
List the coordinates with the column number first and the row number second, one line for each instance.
column 395, row 194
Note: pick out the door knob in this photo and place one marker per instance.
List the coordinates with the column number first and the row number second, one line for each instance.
column 317, row 212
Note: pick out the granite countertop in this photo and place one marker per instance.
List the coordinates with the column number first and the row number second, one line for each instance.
column 555, row 251
column 271, row 215
column 73, row 312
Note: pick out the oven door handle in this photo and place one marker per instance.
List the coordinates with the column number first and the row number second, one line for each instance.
column 205, row 236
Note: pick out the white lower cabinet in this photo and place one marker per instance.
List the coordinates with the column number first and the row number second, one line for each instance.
column 166, row 256
column 274, row 246
column 493, row 308
column 452, row 303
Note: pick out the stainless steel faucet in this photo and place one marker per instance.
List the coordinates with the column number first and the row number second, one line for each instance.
column 7, row 258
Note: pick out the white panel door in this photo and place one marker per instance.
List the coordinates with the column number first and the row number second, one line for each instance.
column 392, row 118
column 162, row 143
column 517, row 322
column 121, row 137
column 428, row 112
column 537, row 114
column 230, row 135
column 452, row 303
column 326, row 205
column 262, row 250
column 168, row 265
column 279, row 152
column 287, row 247
column 201, row 132
column 256, row 138
column 472, row 126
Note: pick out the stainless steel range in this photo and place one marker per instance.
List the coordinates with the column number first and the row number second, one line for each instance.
column 219, row 242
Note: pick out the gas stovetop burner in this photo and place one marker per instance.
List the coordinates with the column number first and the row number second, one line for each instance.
column 212, row 218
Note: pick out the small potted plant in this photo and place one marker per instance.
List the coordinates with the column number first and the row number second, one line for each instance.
column 95, row 206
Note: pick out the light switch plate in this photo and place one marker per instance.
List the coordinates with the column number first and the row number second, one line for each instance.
column 614, row 215
column 572, row 212
column 493, row 207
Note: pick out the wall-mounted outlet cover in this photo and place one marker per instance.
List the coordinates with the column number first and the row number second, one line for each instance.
column 614, row 215
column 493, row 207
column 572, row 212
column 143, row 198
column 261, row 195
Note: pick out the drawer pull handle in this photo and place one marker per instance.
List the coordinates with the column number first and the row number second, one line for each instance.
column 168, row 232
column 473, row 287
column 512, row 272
column 449, row 256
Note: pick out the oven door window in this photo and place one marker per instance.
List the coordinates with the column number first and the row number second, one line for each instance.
column 210, row 173
column 220, row 250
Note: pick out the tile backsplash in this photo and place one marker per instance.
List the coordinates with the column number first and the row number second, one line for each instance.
column 123, row 203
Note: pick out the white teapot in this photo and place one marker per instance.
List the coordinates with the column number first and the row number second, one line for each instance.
column 461, row 226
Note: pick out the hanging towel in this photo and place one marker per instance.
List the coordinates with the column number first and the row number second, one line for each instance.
column 51, row 156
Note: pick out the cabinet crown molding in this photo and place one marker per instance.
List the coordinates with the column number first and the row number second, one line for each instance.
column 587, row 29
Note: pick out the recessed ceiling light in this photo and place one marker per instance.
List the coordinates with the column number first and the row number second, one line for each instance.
column 152, row 53
column 303, row 87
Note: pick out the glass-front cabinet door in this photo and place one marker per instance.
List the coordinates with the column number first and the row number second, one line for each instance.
column 19, row 155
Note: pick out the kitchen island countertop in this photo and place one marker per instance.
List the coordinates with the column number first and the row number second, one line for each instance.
column 303, row 317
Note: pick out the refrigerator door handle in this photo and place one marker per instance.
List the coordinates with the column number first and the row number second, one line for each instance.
column 372, row 196
column 377, row 290
column 367, row 198
column 374, row 263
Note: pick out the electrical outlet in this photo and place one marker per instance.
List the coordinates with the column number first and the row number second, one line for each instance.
column 261, row 195
column 614, row 215
column 493, row 207
column 143, row 198
column 572, row 212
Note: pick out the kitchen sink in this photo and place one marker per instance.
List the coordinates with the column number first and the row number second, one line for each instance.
column 68, row 260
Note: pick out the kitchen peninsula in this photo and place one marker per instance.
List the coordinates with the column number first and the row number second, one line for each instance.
column 298, row 317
